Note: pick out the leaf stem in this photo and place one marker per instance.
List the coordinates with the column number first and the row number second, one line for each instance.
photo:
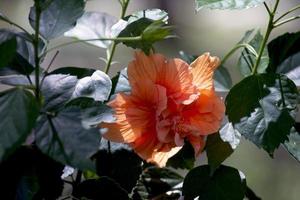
column 266, row 37
column 288, row 12
column 232, row 51
column 5, row 19
column 36, row 49
column 286, row 21
column 111, row 52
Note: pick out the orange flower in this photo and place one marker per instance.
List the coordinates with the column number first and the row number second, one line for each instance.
column 169, row 102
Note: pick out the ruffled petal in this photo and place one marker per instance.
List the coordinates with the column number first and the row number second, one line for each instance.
column 203, row 70
column 198, row 143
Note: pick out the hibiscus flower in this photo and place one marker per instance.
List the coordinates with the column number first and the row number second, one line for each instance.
column 170, row 102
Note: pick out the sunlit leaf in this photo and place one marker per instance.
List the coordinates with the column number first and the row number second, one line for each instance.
column 230, row 135
column 120, row 82
column 64, row 138
column 93, row 25
column 97, row 86
column 57, row 17
column 18, row 112
column 153, row 14
column 293, row 145
column 227, row 4
column 225, row 183
column 266, row 105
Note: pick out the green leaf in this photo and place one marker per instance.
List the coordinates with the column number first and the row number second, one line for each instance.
column 293, row 145
column 99, row 188
column 23, row 60
column 74, row 71
column 230, row 135
column 119, row 163
column 8, row 50
column 153, row 14
column 98, row 86
column 227, row 4
column 93, row 112
column 222, row 79
column 247, row 59
column 149, row 30
column 57, row 89
column 217, row 150
column 18, row 112
column 39, row 177
column 120, row 82
column 93, row 25
column 155, row 182
column 224, row 184
column 184, row 159
column 57, row 17
column 291, row 68
column 64, row 138
column 266, row 106
column 281, row 48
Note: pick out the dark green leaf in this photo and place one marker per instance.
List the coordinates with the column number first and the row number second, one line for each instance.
column 184, row 159
column 119, row 163
column 281, row 48
column 57, row 17
column 266, row 106
column 227, row 4
column 224, row 184
column 247, row 59
column 102, row 188
column 23, row 60
column 293, row 145
column 217, row 150
column 64, row 138
column 8, row 50
column 18, row 112
column 149, row 30
column 74, row 71
column 29, row 174
column 155, row 182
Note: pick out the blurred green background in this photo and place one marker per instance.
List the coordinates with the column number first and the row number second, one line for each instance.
column 214, row 31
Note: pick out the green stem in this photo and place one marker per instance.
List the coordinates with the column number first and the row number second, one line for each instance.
column 288, row 12
column 36, row 49
column 114, row 43
column 266, row 37
column 286, row 21
column 5, row 19
column 232, row 51
column 120, row 39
